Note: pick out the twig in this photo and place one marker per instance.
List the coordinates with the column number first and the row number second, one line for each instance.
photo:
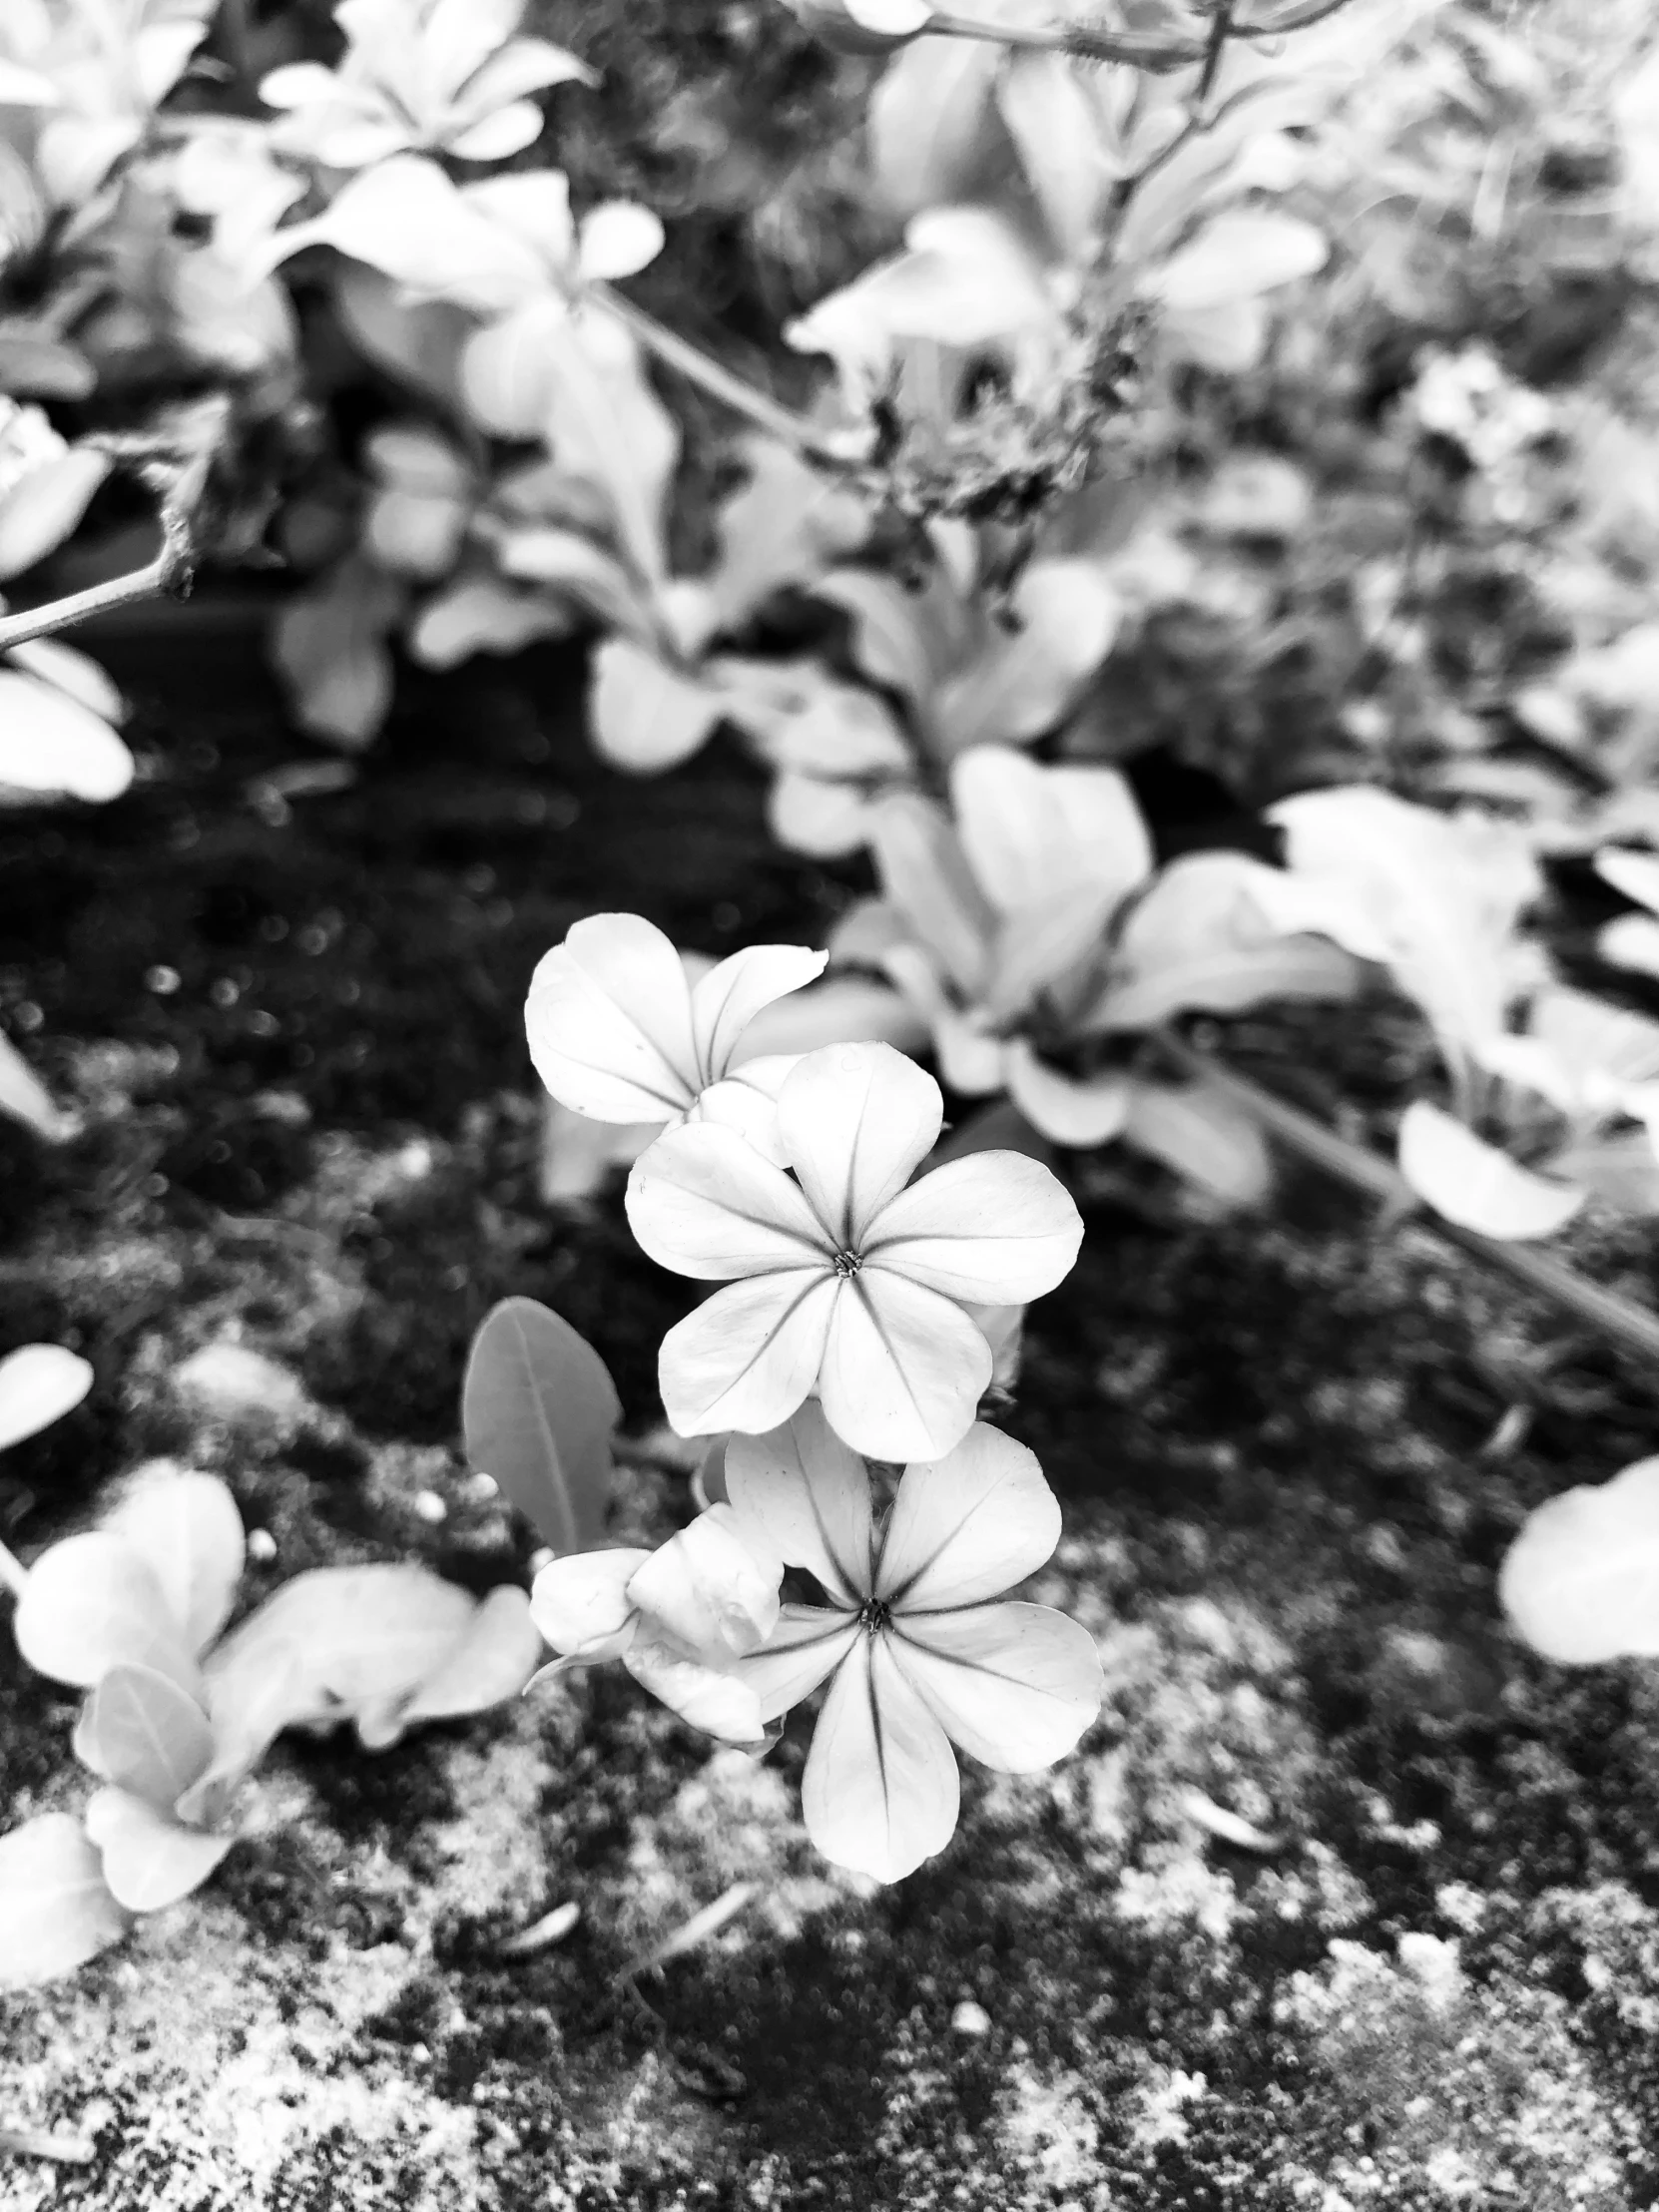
column 1220, row 24
column 169, row 572
column 36, row 2142
column 721, row 383
column 1631, row 1328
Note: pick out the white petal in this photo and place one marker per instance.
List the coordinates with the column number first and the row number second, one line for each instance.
column 968, row 1526
column 993, row 1227
column 727, row 1000
column 705, row 1203
column 1015, row 1685
column 720, row 1703
column 747, row 1355
column 1082, row 1111
column 747, row 1102
column 580, row 1604
column 811, row 1494
column 618, row 240
column 496, row 137
column 1635, row 874
column 881, row 1791
column 856, row 1120
column 713, row 1587
column 52, row 745
column 1475, row 1183
column 608, row 1022
column 808, row 1643
column 904, row 1369
column 39, row 1383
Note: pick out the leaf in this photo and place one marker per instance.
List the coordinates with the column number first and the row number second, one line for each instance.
column 329, row 646
column 786, row 525
column 1032, row 677
column 646, row 715
column 493, row 1661
column 188, row 1527
column 419, row 341
column 537, row 1410
column 26, row 1099
column 39, row 1383
column 150, row 1860
column 54, row 747
column 56, row 1911
column 91, row 1603
column 479, row 614
column 140, row 1731
column 44, row 507
column 607, row 425
column 1237, row 256
column 1206, row 1139
column 1475, row 1184
column 1054, row 122
column 932, row 132
column 1581, row 1581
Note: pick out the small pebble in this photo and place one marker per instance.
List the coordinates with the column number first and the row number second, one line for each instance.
column 970, row 2020
column 262, row 1545
column 430, row 1507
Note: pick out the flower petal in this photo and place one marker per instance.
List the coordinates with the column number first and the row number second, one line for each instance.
column 968, row 1526
column 713, row 1587
column 811, row 1494
column 881, row 1791
column 1028, row 831
column 729, row 997
column 808, row 1643
column 705, row 1203
column 747, row 1355
column 995, row 1227
column 718, row 1703
column 856, row 1120
column 580, row 1604
column 1015, row 1685
column 608, row 1022
column 618, row 239
column 747, row 1101
column 904, row 1367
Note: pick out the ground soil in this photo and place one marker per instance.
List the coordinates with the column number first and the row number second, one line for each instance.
column 1346, row 1901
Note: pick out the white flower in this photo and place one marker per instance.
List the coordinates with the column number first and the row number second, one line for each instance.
column 619, row 1032
column 915, row 1655
column 847, row 1282
column 676, row 1617
column 448, row 76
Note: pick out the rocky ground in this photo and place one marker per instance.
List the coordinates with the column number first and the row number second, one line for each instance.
column 1346, row 1902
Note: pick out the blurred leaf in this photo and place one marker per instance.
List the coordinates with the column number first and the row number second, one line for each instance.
column 1030, row 676
column 418, row 341
column 1581, row 1581
column 329, row 646
column 493, row 1661
column 578, row 1156
column 646, row 715
column 538, row 1408
column 44, row 508
column 607, row 425
column 1622, row 1170
column 39, row 1383
column 1237, row 257
column 90, row 1603
column 186, row 1527
column 149, row 1858
column 932, row 131
column 479, row 614
column 1475, row 1183
column 140, row 1731
column 25, row 1097
column 783, row 526
column 1207, row 1140
column 56, row 1911
column 53, row 746
column 1050, row 112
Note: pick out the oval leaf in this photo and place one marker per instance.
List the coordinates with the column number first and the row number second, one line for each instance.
column 56, row 1911
column 187, row 1527
column 1475, row 1183
column 92, row 1603
column 39, row 1383
column 1581, row 1580
column 492, row 1662
column 142, row 1732
column 150, row 1860
column 537, row 1410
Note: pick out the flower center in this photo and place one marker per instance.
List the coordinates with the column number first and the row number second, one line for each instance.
column 848, row 1265
column 875, row 1613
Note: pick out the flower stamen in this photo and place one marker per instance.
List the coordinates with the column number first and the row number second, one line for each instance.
column 848, row 1265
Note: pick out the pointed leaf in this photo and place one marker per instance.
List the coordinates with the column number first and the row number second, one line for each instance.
column 538, row 1409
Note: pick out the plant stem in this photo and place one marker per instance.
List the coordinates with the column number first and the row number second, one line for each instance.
column 13, row 1574
column 719, row 382
column 1220, row 24
column 167, row 572
column 1624, row 1324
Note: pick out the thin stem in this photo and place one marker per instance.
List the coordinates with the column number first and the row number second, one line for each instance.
column 167, row 572
column 1067, row 38
column 719, row 382
column 1631, row 1328
column 1220, row 24
column 13, row 1574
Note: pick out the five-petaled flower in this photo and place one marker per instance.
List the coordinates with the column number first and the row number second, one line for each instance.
column 446, row 75
column 619, row 1032
column 676, row 1617
column 847, row 1282
column 916, row 1654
